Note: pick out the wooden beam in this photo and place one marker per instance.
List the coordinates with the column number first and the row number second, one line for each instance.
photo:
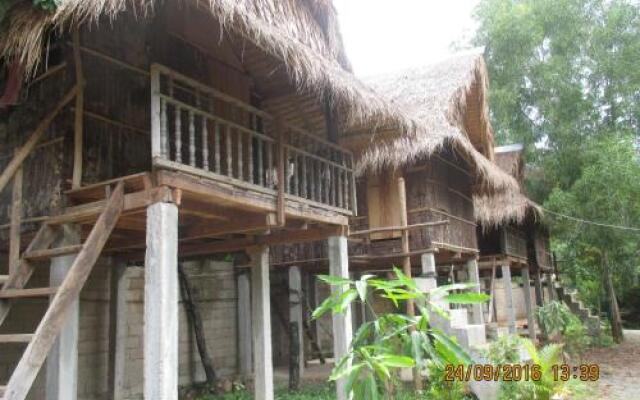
column 253, row 223
column 16, row 224
column 281, row 237
column 16, row 338
column 79, row 109
column 35, row 136
column 398, row 228
column 27, row 293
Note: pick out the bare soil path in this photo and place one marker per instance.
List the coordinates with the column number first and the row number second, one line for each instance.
column 619, row 368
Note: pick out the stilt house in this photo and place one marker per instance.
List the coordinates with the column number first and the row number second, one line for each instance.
column 416, row 183
column 136, row 135
column 513, row 242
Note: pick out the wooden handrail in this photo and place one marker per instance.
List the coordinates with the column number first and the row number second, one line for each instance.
column 399, row 228
column 30, row 144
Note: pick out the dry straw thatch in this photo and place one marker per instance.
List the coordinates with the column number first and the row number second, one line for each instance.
column 437, row 99
column 303, row 34
column 505, row 207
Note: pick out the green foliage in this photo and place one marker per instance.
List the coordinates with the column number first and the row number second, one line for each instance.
column 393, row 341
column 507, row 350
column 441, row 389
column 315, row 392
column 554, row 317
column 564, row 83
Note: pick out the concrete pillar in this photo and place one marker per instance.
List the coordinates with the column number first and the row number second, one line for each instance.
column 244, row 324
column 428, row 264
column 118, row 331
column 161, row 303
column 62, row 362
column 474, row 277
column 531, row 321
column 550, row 288
column 342, row 330
column 295, row 310
column 508, row 295
column 261, row 324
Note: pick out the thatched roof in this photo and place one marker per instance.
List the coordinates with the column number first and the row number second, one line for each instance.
column 507, row 206
column 447, row 102
column 509, row 158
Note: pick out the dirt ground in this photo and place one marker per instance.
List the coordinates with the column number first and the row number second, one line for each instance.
column 619, row 368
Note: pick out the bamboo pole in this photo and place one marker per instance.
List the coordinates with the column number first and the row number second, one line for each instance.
column 16, row 223
column 78, row 138
column 406, row 265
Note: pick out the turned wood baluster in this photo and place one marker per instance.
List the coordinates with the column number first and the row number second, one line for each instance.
column 240, row 135
column 304, row 177
column 192, row 140
column 178, row 138
column 205, row 144
column 164, row 145
column 339, row 187
column 260, row 162
column 216, row 146
column 229, row 149
column 250, row 159
column 270, row 166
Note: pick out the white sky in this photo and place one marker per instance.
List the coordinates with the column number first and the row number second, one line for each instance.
column 387, row 35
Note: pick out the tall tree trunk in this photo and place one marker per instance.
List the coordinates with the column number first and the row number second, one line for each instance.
column 614, row 315
column 196, row 320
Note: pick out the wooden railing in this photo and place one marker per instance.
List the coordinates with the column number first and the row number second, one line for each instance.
column 198, row 129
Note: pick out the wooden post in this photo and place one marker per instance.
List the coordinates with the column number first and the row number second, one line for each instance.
column 295, row 313
column 62, row 361
column 161, row 303
column 492, row 293
column 474, row 277
column 342, row 330
column 79, row 113
column 406, row 263
column 282, row 180
column 508, row 292
column 244, row 324
column 538, row 288
column 15, row 230
column 552, row 293
column 531, row 321
column 261, row 324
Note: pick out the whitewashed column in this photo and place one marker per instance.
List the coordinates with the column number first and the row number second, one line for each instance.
column 62, row 362
column 161, row 303
column 474, row 277
column 508, row 295
column 244, row 324
column 261, row 324
column 342, row 330
column 295, row 310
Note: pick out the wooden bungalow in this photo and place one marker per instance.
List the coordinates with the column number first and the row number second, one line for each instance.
column 416, row 183
column 513, row 241
column 137, row 136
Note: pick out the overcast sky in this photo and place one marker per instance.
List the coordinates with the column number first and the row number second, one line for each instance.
column 386, row 35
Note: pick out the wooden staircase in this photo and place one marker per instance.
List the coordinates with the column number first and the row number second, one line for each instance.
column 14, row 288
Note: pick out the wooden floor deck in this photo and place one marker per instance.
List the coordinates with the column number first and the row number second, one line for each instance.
column 214, row 217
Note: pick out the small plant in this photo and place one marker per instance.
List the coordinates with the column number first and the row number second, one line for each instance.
column 441, row 389
column 393, row 341
column 554, row 317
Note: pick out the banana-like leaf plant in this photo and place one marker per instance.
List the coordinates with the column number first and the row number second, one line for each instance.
column 393, row 340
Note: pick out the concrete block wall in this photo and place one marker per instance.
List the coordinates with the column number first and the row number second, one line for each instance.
column 214, row 284
column 518, row 301
column 215, row 289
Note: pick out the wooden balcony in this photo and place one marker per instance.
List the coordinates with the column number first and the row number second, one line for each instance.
column 203, row 133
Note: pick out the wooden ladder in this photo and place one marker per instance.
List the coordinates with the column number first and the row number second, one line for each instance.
column 40, row 342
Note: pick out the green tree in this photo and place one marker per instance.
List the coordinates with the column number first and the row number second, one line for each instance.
column 564, row 82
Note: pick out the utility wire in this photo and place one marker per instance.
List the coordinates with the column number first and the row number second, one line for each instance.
column 584, row 221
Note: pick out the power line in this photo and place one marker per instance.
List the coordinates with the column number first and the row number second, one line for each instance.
column 584, row 221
